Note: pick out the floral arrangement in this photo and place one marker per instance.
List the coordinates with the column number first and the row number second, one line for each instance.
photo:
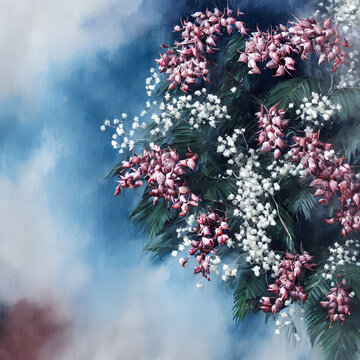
column 233, row 166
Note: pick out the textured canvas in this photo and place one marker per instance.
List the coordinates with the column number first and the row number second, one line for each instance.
column 179, row 180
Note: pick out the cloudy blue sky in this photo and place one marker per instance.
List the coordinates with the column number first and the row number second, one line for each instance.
column 64, row 68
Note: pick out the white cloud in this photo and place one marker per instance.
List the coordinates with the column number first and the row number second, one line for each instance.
column 149, row 312
column 37, row 33
column 143, row 311
column 264, row 343
column 127, row 312
column 40, row 255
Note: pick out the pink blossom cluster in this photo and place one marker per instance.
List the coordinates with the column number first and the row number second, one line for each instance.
column 273, row 46
column 185, row 61
column 331, row 175
column 287, row 286
column 210, row 231
column 338, row 302
column 308, row 35
column 277, row 47
column 163, row 171
column 272, row 124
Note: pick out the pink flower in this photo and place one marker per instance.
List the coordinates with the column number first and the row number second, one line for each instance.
column 185, row 61
column 338, row 302
column 272, row 123
column 210, row 231
column 331, row 176
column 287, row 285
column 278, row 46
column 163, row 171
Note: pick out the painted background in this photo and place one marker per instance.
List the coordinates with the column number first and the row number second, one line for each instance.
column 74, row 281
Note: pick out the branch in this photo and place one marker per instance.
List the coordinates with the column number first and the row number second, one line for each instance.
column 239, row 83
column 282, row 222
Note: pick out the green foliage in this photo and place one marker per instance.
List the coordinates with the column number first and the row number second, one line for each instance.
column 347, row 143
column 349, row 99
column 238, row 70
column 295, row 202
column 286, row 226
column 340, row 341
column 300, row 198
column 151, row 218
column 113, row 171
column 292, row 91
column 246, row 296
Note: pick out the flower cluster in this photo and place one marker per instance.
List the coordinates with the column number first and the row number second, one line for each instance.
column 339, row 300
column 163, row 170
column 331, row 175
column 341, row 255
column 346, row 13
column 199, row 109
column 272, row 124
column 123, row 139
column 185, row 61
column 308, row 35
column 283, row 167
column 151, row 82
column 289, row 317
column 196, row 110
column 304, row 36
column 351, row 78
column 210, row 231
column 273, row 46
column 251, row 205
column 318, row 110
column 287, row 286
column 126, row 134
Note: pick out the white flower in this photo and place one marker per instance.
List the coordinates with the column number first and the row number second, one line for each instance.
column 230, row 243
column 102, row 128
column 233, row 272
column 277, row 331
column 174, row 253
column 233, row 89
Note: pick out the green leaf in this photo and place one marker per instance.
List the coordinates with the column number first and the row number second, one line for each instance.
column 346, row 143
column 341, row 341
column 349, row 99
column 150, row 217
column 300, row 199
column 292, row 91
column 247, row 294
column 113, row 171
